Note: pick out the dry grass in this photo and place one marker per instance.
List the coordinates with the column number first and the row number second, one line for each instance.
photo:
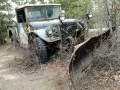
column 105, row 71
column 25, row 63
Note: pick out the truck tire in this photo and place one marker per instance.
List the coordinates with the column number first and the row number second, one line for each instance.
column 41, row 50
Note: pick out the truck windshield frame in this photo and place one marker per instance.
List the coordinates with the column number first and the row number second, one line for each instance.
column 35, row 13
column 43, row 13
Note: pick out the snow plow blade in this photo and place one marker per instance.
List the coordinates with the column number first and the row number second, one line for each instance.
column 82, row 56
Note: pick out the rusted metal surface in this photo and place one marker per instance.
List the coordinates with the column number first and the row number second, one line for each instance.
column 83, row 56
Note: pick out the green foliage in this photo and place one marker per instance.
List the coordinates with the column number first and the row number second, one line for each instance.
column 5, row 16
column 20, row 2
column 41, row 1
column 23, row 2
column 75, row 8
column 3, row 22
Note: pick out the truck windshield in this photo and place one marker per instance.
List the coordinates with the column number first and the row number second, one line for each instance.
column 52, row 12
column 35, row 13
column 42, row 13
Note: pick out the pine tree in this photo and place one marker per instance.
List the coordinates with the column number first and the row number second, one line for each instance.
column 5, row 16
column 75, row 8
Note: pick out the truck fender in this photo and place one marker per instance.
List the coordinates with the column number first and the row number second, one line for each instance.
column 22, row 36
column 42, row 35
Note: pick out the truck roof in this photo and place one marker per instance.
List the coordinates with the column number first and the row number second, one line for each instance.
column 35, row 5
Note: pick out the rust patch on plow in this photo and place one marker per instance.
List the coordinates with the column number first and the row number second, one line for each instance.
column 83, row 56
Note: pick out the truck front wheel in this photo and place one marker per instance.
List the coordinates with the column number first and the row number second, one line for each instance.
column 40, row 49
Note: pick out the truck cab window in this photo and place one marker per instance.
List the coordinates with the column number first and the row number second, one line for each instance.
column 21, row 16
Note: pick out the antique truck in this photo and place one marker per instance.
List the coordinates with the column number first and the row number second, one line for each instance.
column 44, row 28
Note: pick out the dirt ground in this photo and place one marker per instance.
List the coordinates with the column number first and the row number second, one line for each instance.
column 17, row 73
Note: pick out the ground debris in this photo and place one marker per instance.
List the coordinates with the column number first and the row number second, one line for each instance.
column 18, row 71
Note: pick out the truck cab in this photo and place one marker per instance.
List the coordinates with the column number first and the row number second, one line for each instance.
column 46, row 26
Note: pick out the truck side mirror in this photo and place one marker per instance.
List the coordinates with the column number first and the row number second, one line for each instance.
column 89, row 15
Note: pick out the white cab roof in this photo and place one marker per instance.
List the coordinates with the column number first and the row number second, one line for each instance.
column 33, row 5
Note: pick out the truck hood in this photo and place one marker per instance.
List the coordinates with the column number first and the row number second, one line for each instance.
column 50, row 22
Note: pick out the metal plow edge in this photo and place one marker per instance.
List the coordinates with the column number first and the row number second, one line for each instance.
column 82, row 56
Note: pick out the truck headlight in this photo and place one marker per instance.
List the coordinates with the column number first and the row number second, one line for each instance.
column 62, row 17
column 53, row 31
column 50, row 32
